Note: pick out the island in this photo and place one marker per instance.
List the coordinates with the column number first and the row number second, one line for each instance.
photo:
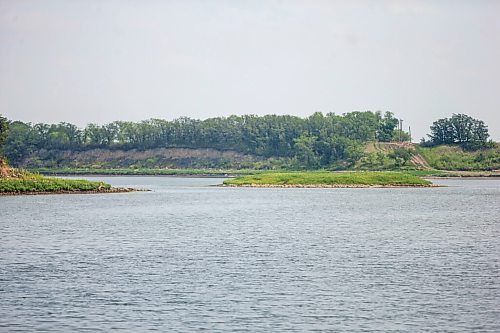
column 329, row 180
column 14, row 182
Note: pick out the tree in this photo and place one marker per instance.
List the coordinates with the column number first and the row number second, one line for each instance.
column 4, row 132
column 361, row 126
column 459, row 129
column 304, row 148
column 64, row 136
column 20, row 142
column 387, row 127
column 320, row 140
column 399, row 135
column 401, row 156
column 94, row 135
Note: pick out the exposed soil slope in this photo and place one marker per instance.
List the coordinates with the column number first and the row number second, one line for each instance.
column 7, row 172
column 150, row 158
column 419, row 161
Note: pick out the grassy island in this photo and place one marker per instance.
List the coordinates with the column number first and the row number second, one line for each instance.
column 35, row 183
column 14, row 181
column 329, row 179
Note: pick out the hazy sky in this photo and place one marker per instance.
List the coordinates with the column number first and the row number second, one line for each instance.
column 100, row 61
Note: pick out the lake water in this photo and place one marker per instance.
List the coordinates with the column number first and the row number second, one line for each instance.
column 189, row 257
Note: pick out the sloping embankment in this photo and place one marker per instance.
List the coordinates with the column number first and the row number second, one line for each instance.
column 149, row 158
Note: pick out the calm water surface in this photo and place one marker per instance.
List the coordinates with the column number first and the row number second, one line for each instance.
column 188, row 256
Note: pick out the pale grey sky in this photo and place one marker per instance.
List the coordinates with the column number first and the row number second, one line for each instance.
column 103, row 60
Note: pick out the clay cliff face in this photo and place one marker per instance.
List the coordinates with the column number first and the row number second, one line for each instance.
column 151, row 158
column 6, row 171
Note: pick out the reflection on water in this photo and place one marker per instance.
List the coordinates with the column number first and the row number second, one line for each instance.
column 188, row 256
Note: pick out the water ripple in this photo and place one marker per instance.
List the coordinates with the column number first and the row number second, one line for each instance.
column 188, row 257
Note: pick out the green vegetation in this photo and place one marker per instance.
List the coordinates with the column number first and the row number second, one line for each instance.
column 317, row 141
column 19, row 181
column 456, row 158
column 224, row 172
column 4, row 131
column 387, row 156
column 401, row 156
column 329, row 178
column 144, row 171
column 242, row 144
column 406, row 157
column 36, row 183
column 460, row 129
column 430, row 173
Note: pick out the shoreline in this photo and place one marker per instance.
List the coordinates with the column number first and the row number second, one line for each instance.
column 496, row 177
column 112, row 190
column 233, row 173
column 194, row 175
column 331, row 185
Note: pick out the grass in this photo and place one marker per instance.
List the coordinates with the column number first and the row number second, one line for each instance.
column 453, row 173
column 36, row 183
column 429, row 173
column 330, row 178
column 145, row 171
column 455, row 158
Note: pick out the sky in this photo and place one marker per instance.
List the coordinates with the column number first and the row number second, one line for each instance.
column 97, row 61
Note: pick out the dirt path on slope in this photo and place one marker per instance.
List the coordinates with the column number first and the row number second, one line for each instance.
column 419, row 161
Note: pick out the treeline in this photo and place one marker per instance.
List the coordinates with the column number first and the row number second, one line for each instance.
column 316, row 141
column 460, row 129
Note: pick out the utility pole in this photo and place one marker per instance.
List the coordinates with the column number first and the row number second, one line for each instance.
column 400, row 129
column 409, row 132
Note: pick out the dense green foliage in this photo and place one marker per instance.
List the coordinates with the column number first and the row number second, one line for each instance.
column 329, row 178
column 316, row 141
column 455, row 158
column 37, row 183
column 4, row 130
column 460, row 129
column 401, row 155
column 356, row 140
